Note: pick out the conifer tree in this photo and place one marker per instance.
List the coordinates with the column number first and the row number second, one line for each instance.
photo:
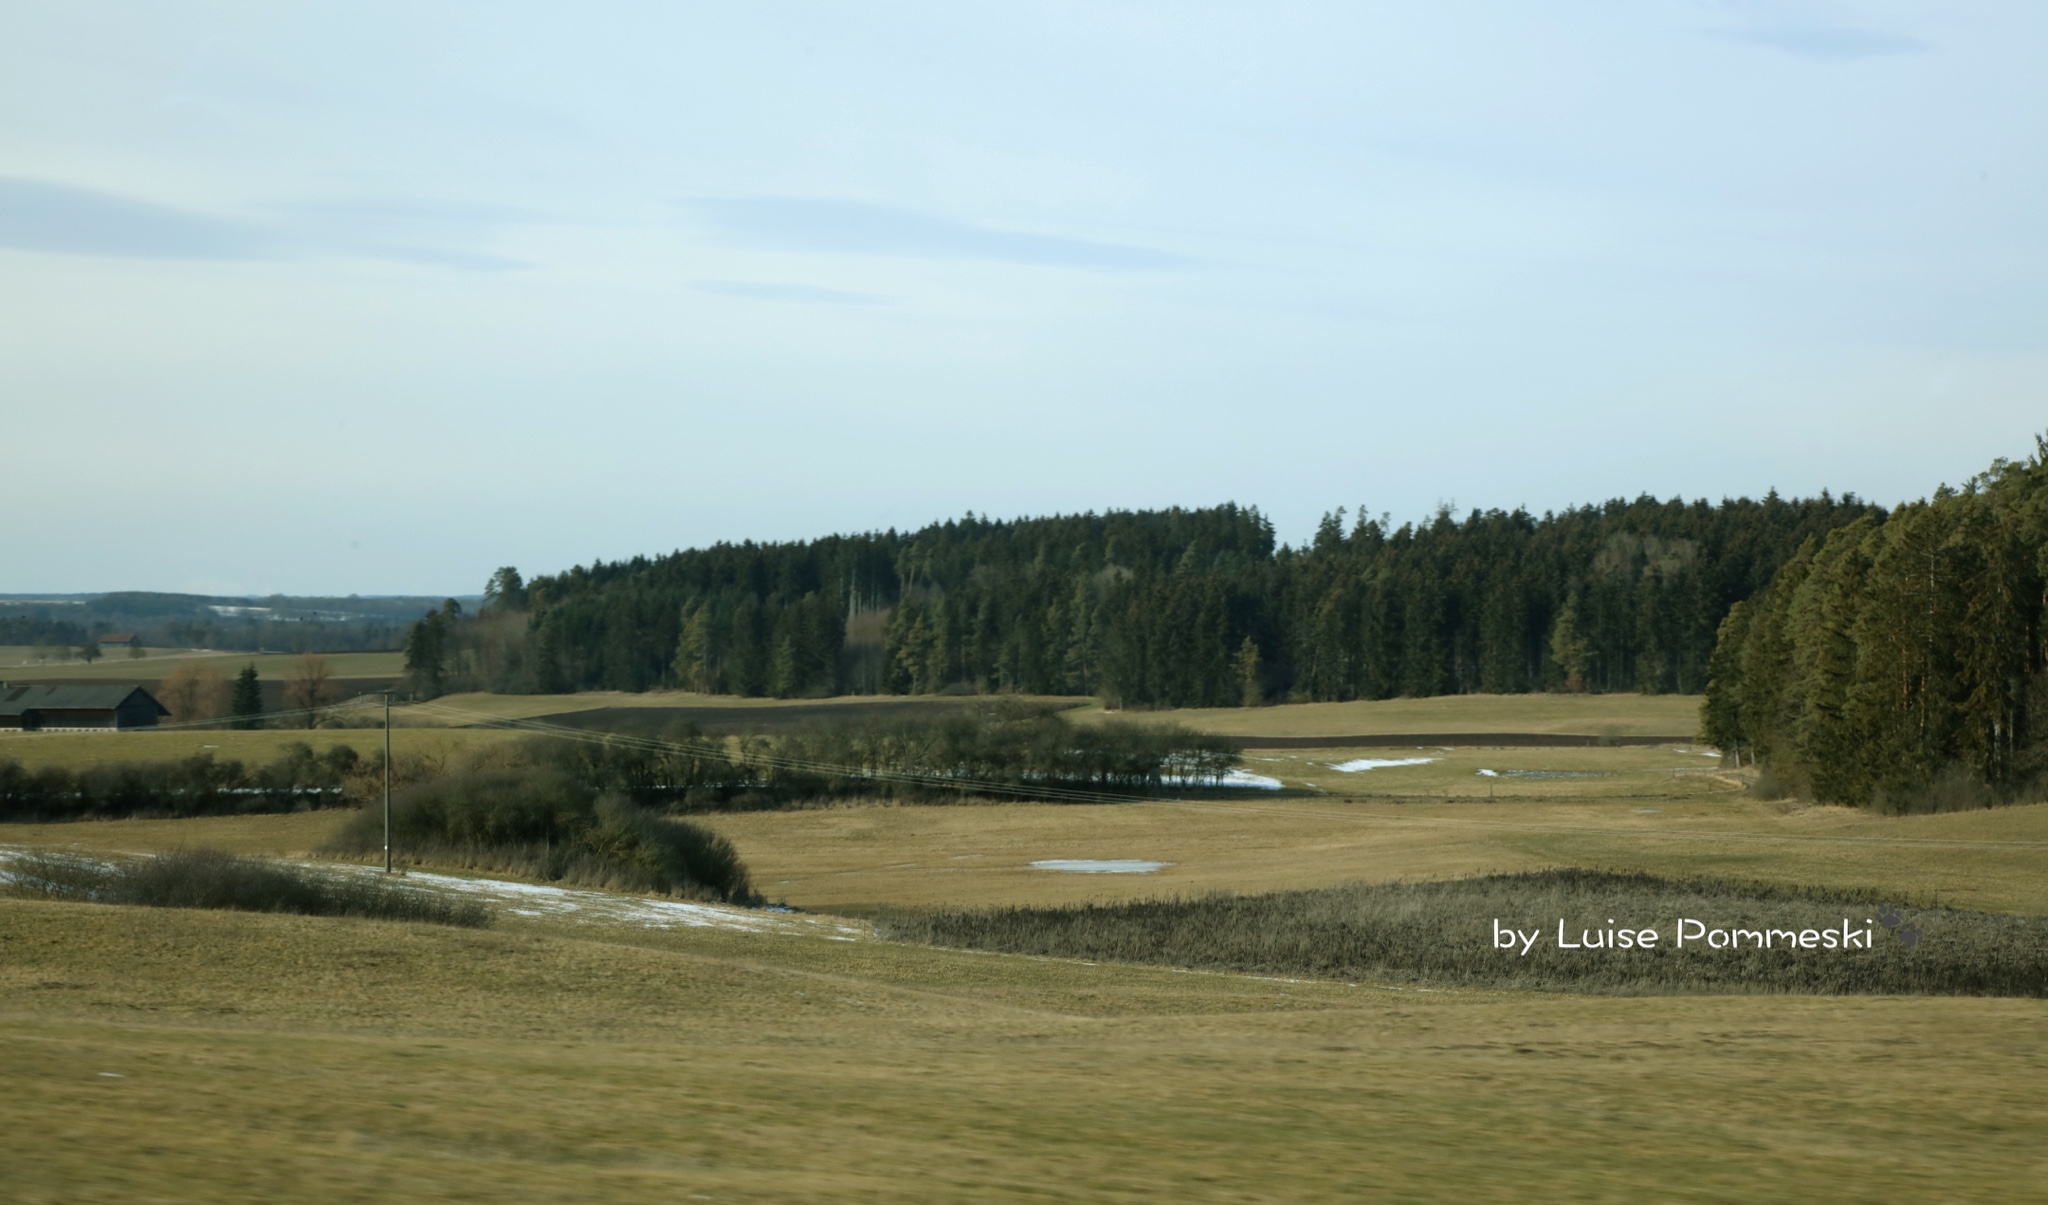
column 246, row 705
column 1569, row 648
column 1721, row 706
column 1246, row 667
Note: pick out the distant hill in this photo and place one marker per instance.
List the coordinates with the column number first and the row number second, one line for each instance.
column 278, row 621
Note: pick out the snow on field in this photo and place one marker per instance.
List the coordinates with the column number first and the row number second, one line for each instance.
column 1101, row 865
column 1245, row 778
column 1551, row 773
column 1242, row 779
column 529, row 899
column 1357, row 764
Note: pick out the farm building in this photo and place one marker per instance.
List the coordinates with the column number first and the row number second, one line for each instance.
column 117, row 640
column 47, row 708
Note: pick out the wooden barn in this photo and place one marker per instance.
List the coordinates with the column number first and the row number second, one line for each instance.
column 55, row 708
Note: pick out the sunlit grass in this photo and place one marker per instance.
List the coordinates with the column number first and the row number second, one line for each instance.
column 269, row 1058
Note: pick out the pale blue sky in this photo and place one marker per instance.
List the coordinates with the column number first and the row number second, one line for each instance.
column 377, row 297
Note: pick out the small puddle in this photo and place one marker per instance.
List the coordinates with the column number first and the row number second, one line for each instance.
column 1101, row 865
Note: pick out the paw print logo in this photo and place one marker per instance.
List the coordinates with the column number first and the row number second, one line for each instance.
column 1888, row 916
column 1910, row 935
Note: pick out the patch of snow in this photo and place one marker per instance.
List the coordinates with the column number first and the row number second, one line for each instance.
column 1245, row 778
column 1558, row 773
column 1489, row 773
column 1379, row 763
column 532, row 899
column 1101, row 865
column 1235, row 778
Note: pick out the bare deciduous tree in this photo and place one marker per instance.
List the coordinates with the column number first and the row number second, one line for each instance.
column 308, row 685
column 196, row 691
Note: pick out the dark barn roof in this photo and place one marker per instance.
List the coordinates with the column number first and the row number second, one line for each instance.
column 15, row 700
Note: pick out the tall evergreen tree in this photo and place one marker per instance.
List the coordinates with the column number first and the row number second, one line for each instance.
column 246, row 704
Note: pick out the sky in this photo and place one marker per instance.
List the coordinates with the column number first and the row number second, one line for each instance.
column 376, row 297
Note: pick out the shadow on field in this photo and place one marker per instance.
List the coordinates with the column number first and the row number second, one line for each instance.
column 1451, row 933
column 761, row 721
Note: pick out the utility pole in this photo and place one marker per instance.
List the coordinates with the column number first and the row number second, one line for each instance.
column 387, row 782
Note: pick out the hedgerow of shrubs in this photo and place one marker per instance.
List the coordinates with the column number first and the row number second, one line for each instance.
column 200, row 785
column 536, row 821
column 1003, row 749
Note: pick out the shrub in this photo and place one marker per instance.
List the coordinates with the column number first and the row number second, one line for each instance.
column 539, row 822
column 200, row 785
column 1955, row 789
column 1004, row 746
column 210, row 878
column 1007, row 748
column 1441, row 933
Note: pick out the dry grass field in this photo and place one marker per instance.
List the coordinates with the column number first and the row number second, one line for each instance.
column 187, row 1056
column 158, row 1055
column 1481, row 772
column 853, row 860
column 1589, row 715
column 79, row 749
column 17, row 664
column 682, row 702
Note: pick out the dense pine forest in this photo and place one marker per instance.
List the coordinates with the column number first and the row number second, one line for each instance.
column 1159, row 608
column 1897, row 660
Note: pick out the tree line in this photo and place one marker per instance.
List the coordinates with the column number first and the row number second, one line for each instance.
column 278, row 622
column 40, row 631
column 1151, row 608
column 1897, row 660
column 1017, row 750
column 201, row 785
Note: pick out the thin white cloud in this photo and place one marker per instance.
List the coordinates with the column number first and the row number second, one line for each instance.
column 866, row 228
column 428, row 232
column 57, row 219
column 1826, row 42
column 762, row 291
column 439, row 257
column 62, row 219
column 1809, row 29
